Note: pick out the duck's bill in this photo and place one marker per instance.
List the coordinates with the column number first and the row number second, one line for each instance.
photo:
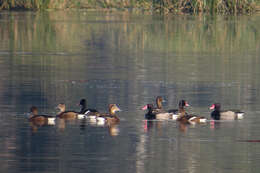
column 145, row 107
column 187, row 104
column 117, row 108
column 212, row 107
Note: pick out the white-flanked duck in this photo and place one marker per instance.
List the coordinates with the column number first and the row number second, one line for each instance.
column 37, row 119
column 158, row 112
column 86, row 112
column 219, row 114
column 154, row 113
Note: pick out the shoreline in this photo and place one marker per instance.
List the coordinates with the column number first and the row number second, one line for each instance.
column 186, row 7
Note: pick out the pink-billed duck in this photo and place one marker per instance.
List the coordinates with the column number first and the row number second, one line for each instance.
column 219, row 114
column 154, row 113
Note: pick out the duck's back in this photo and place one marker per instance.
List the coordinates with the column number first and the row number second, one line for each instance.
column 163, row 116
column 88, row 111
column 68, row 115
column 37, row 118
column 227, row 115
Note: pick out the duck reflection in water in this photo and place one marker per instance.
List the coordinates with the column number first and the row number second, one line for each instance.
column 113, row 130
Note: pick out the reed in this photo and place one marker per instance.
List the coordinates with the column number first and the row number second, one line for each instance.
column 165, row 6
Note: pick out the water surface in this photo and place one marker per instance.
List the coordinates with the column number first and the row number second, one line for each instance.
column 128, row 59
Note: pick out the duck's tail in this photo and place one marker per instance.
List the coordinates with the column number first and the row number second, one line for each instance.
column 240, row 115
column 51, row 120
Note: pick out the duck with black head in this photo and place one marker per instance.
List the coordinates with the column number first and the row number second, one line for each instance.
column 37, row 119
column 68, row 115
column 84, row 112
column 155, row 113
column 150, row 115
column 218, row 114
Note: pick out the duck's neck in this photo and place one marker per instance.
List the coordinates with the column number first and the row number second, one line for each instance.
column 83, row 108
column 218, row 109
column 150, row 111
column 159, row 104
column 61, row 110
column 182, row 111
column 112, row 112
column 31, row 115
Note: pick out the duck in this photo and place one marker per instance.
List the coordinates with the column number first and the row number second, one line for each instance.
column 110, row 118
column 159, row 100
column 84, row 109
column 186, row 118
column 150, row 115
column 37, row 119
column 154, row 113
column 91, row 113
column 66, row 114
column 218, row 114
column 177, row 113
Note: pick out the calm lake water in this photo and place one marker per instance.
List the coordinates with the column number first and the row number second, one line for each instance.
column 128, row 59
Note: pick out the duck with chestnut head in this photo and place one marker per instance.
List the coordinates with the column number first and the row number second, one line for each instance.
column 184, row 117
column 110, row 117
column 37, row 119
column 68, row 115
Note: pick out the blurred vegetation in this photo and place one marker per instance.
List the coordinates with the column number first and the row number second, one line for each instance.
column 41, row 32
column 165, row 6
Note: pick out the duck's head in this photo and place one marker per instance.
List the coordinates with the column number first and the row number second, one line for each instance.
column 183, row 103
column 215, row 106
column 83, row 102
column 34, row 110
column 113, row 108
column 159, row 101
column 148, row 106
column 61, row 107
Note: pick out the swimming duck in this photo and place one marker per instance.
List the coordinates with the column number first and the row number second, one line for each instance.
column 91, row 113
column 66, row 114
column 150, row 115
column 184, row 117
column 154, row 113
column 219, row 114
column 159, row 101
column 84, row 109
column 40, row 119
column 180, row 111
column 110, row 117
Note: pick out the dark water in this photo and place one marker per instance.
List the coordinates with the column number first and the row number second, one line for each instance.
column 128, row 59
